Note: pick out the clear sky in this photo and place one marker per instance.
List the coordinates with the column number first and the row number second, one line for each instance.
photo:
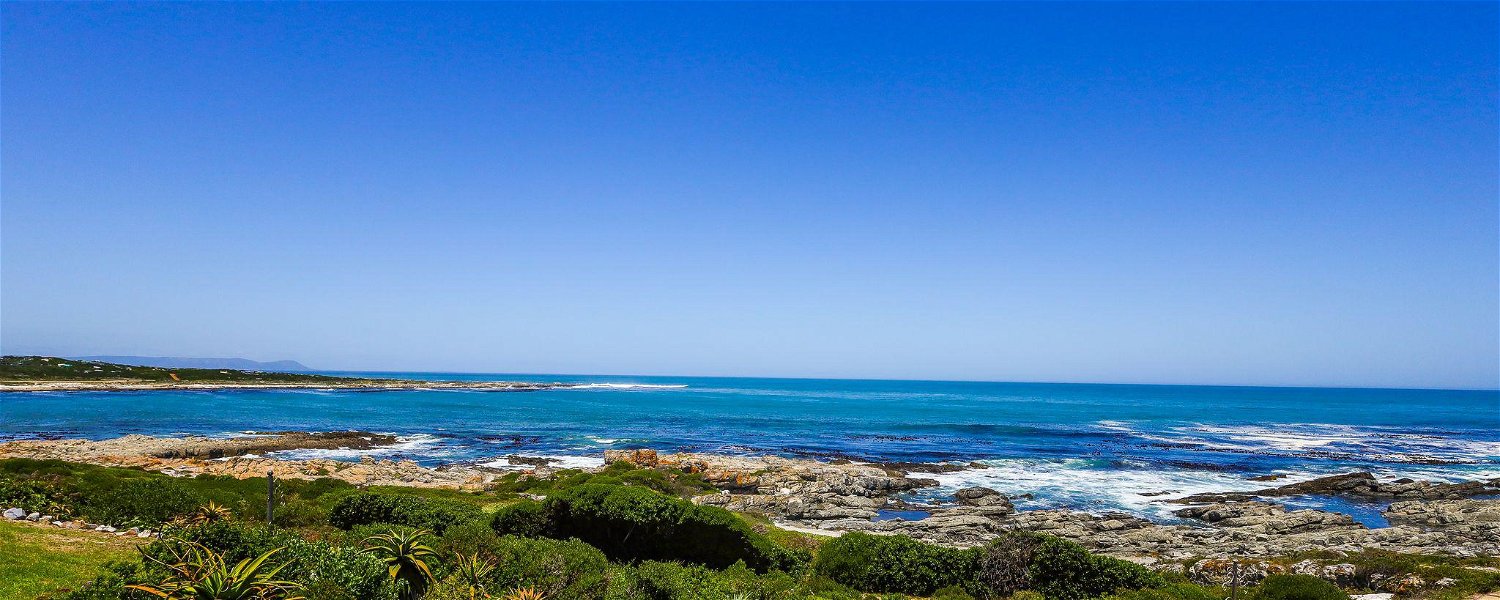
column 1265, row 193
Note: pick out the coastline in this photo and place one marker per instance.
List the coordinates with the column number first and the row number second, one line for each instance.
column 833, row 497
column 353, row 384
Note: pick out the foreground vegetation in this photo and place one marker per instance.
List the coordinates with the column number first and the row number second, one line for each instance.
column 622, row 533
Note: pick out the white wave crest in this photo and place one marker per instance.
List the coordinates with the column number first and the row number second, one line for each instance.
column 1081, row 484
column 627, row 386
column 423, row 444
column 1382, row 444
column 556, row 461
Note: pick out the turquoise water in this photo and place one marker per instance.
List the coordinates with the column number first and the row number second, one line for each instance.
column 1085, row 446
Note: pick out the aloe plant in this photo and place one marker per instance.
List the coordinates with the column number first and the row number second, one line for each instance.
column 405, row 557
column 209, row 513
column 471, row 570
column 197, row 573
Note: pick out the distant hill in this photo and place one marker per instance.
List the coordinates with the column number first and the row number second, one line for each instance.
column 178, row 362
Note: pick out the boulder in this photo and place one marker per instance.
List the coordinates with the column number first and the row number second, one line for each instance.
column 15, row 514
column 982, row 496
column 643, row 457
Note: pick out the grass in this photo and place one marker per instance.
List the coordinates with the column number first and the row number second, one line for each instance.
column 39, row 559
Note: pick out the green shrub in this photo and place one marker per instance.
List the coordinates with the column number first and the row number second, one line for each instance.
column 558, row 569
column 527, row 518
column 1297, row 587
column 821, row 587
column 879, row 563
column 433, row 514
column 653, row 580
column 89, row 490
column 329, row 572
column 952, row 592
column 1004, row 564
column 110, row 584
column 672, row 482
column 1175, row 591
column 141, row 501
column 632, row 523
column 46, row 496
column 466, row 539
column 1062, row 570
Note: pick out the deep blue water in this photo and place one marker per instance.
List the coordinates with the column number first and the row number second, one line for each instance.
column 1087, row 446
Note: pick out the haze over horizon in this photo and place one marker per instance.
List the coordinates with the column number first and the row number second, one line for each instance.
column 1240, row 194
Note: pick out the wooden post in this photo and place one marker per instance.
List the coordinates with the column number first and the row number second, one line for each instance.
column 270, row 498
column 1234, row 580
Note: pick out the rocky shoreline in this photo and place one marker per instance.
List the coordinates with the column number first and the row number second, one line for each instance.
column 830, row 498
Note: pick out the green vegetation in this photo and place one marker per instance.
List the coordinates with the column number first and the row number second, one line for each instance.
column 32, row 369
column 1298, row 587
column 621, row 534
column 35, row 559
column 431, row 514
column 880, row 563
column 197, row 572
column 631, row 523
column 672, row 482
column 405, row 554
column 1062, row 570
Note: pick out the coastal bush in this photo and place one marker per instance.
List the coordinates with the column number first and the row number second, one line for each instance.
column 1174, row 591
column 72, row 486
column 432, row 514
column 1297, row 587
column 673, row 482
column 327, row 572
column 633, row 523
column 895, row 563
column 46, row 496
column 466, row 539
column 141, row 502
column 556, row 568
column 1004, row 564
column 527, row 518
column 654, row 580
column 952, row 592
column 1063, row 570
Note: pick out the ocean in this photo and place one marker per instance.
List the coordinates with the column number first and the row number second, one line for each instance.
column 1089, row 447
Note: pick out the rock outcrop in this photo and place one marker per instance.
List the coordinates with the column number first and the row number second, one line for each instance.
column 1360, row 486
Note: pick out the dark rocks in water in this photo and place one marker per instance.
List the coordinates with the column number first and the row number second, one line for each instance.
column 1161, row 493
column 993, row 502
column 1268, row 518
column 1271, row 477
column 1353, row 484
column 978, row 496
column 1357, row 485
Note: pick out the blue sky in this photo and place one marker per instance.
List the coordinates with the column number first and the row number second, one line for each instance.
column 1267, row 193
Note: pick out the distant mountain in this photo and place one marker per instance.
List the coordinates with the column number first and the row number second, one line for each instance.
column 178, row 362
